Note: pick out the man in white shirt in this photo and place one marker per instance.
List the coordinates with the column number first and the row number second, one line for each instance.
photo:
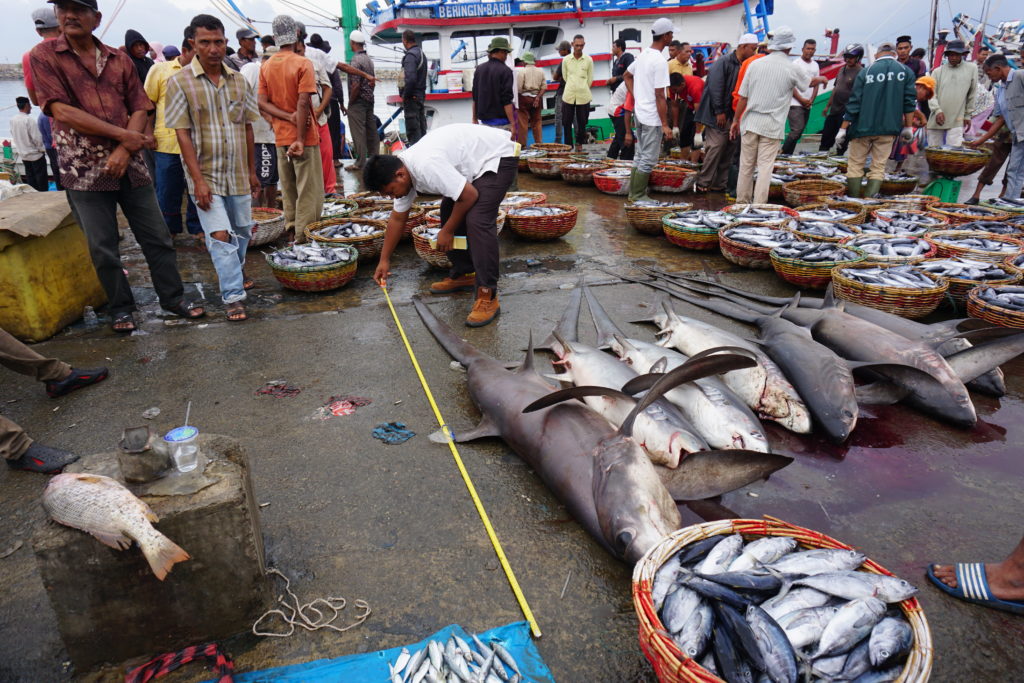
column 647, row 78
column 29, row 142
column 800, row 106
column 472, row 167
column 263, row 139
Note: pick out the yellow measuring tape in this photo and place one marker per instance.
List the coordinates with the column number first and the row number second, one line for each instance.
column 509, row 574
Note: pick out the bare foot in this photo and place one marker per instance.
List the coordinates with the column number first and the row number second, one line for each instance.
column 1005, row 579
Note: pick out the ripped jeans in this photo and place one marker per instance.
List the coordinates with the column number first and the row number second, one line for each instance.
column 233, row 215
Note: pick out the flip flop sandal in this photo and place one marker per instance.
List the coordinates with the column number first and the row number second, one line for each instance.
column 972, row 587
column 236, row 313
column 247, row 283
column 127, row 320
column 189, row 311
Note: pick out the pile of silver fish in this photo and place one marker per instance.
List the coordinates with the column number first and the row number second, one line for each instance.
column 1006, row 203
column 894, row 227
column 896, row 177
column 908, row 217
column 766, row 611
column 579, row 166
column 782, row 178
column 429, row 204
column 456, row 661
column 757, row 236
column 1007, row 297
column 825, row 228
column 430, row 233
column 964, row 268
column 617, row 172
column 979, row 211
column 895, row 276
column 655, row 204
column 826, row 213
column 815, row 252
column 533, row 211
column 348, row 229
column 1018, row 261
column 530, row 153
column 751, row 213
column 376, row 215
column 907, row 247
column 514, row 199
column 314, row 254
column 994, row 227
column 964, row 151
column 812, row 169
column 375, row 198
column 863, row 201
column 979, row 243
column 701, row 219
column 332, row 209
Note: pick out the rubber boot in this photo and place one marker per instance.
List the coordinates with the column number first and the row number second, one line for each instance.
column 734, row 178
column 638, row 186
column 873, row 187
column 853, row 187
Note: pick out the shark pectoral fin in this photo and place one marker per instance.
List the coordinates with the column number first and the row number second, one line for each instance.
column 659, row 367
column 641, row 383
column 971, row 363
column 485, row 429
column 572, row 392
column 880, row 393
column 707, row 474
column 884, row 392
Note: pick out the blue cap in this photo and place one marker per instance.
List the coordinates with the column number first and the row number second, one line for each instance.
column 179, row 434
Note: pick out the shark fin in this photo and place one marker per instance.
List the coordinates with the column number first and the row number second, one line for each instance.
column 563, row 395
column 528, row 359
column 971, row 363
column 707, row 474
column 606, row 328
column 486, row 428
column 880, row 393
column 568, row 323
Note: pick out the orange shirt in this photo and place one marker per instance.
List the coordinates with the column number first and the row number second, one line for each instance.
column 282, row 78
column 739, row 78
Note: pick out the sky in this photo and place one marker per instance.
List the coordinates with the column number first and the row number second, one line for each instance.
column 161, row 22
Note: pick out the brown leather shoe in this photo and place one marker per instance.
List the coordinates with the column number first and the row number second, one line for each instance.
column 464, row 283
column 485, row 308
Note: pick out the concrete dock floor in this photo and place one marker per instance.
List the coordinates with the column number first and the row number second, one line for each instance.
column 347, row 516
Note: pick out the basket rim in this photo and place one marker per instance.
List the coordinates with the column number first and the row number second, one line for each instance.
column 941, row 284
column 816, row 264
column 312, row 269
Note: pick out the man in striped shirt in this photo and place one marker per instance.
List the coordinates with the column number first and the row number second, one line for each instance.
column 211, row 109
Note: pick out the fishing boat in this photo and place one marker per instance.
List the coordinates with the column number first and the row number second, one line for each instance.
column 461, row 32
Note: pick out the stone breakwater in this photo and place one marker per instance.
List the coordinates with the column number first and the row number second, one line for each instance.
column 10, row 72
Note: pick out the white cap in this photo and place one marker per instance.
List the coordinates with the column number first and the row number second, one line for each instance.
column 783, row 39
column 357, row 37
column 662, row 26
column 748, row 39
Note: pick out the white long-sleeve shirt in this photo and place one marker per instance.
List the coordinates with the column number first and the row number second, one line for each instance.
column 27, row 138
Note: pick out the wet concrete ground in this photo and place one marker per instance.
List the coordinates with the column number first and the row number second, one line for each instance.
column 393, row 525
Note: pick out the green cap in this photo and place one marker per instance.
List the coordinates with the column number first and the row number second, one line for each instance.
column 529, row 58
column 499, row 43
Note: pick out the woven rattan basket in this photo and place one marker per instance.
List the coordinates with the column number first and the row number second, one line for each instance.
column 269, row 225
column 539, row 228
column 668, row 178
column 337, row 207
column 795, row 228
column 858, row 216
column 526, row 155
column 529, row 199
column 672, row 666
column 774, row 223
column 421, row 244
column 553, row 148
column 952, row 215
column 809, row 274
column 1015, row 261
column 368, row 199
column 743, row 254
column 315, row 278
column 647, row 219
column 699, row 239
column 895, row 260
column 417, row 217
column 800, row 192
column 611, row 183
column 368, row 246
column 432, row 219
column 548, row 167
column 1012, row 210
column 908, row 302
column 998, row 315
column 960, row 287
column 927, row 218
column 920, row 202
column 581, row 172
column 948, row 249
column 956, row 162
column 894, row 186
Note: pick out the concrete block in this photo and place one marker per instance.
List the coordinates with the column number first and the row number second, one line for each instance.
column 109, row 605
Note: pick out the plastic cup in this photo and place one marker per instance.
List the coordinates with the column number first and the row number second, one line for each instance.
column 183, row 442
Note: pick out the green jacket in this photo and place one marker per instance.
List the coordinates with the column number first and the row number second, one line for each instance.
column 882, row 94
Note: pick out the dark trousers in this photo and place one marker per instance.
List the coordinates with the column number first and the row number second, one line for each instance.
column 578, row 115
column 718, row 157
column 35, row 174
column 334, row 126
column 51, row 154
column 797, row 122
column 481, row 225
column 96, row 212
column 833, row 122
column 170, row 187
column 22, row 359
column 618, row 149
column 364, row 131
column 415, row 118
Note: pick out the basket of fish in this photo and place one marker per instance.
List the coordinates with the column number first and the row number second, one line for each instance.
column 823, row 231
column 965, row 213
column 527, row 154
column 1003, row 305
column 715, row 603
column 313, row 267
column 614, row 180
column 801, row 192
column 750, row 245
column 548, row 166
column 695, row 229
column 896, row 288
column 366, row 236
column 428, row 202
column 368, row 199
column 581, row 172
column 779, row 179
column 268, row 225
column 336, row 207
column 904, row 216
column 994, row 227
column 772, row 215
column 422, row 236
column 919, row 202
column 552, row 148
column 432, row 219
column 955, row 161
column 377, row 215
column 1005, row 204
column 892, row 248
column 515, row 199
column 964, row 274
column 986, row 246
column 666, row 178
column 876, row 226
column 645, row 215
column 810, row 264
column 542, row 222
column 834, row 210
column 812, row 171
column 898, row 183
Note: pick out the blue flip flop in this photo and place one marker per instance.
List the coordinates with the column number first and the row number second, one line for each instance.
column 972, row 586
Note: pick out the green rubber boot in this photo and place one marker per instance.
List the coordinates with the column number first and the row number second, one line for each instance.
column 853, row 187
column 873, row 187
column 638, row 186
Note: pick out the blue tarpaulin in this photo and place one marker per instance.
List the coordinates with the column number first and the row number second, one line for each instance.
column 372, row 667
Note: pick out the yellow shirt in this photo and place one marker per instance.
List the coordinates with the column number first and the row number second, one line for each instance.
column 578, row 75
column 674, row 67
column 156, row 90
